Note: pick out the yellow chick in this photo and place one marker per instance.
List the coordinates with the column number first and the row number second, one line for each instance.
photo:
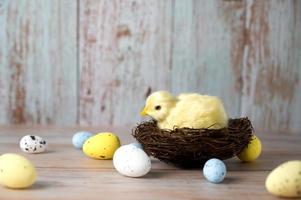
column 189, row 110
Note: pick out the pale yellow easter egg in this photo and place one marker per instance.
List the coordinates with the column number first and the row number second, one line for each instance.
column 285, row 180
column 252, row 151
column 101, row 146
column 16, row 171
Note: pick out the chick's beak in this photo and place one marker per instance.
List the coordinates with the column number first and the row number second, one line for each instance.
column 143, row 112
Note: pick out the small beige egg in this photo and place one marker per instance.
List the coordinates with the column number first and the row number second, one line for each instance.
column 285, row 180
column 16, row 171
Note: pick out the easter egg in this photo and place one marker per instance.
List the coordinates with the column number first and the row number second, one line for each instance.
column 137, row 144
column 80, row 138
column 285, row 180
column 131, row 161
column 101, row 146
column 214, row 170
column 252, row 151
column 33, row 144
column 16, row 171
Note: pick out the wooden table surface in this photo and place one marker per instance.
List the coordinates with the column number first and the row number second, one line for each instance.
column 66, row 173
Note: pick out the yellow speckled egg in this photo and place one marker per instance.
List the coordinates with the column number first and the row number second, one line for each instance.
column 16, row 171
column 252, row 151
column 285, row 180
column 101, row 146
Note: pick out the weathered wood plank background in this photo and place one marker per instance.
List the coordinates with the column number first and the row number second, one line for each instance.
column 38, row 66
column 93, row 62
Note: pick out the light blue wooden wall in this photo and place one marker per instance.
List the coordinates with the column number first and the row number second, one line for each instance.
column 93, row 62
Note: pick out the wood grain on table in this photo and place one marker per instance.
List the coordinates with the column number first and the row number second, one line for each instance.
column 66, row 173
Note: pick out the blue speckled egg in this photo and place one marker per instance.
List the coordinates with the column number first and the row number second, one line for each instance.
column 214, row 170
column 80, row 138
column 137, row 144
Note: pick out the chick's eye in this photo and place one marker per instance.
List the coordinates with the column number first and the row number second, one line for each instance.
column 158, row 108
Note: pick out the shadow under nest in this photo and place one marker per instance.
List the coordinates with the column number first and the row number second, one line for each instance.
column 190, row 148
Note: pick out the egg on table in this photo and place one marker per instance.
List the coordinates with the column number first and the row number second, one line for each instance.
column 189, row 110
column 252, row 151
column 101, row 146
column 33, row 144
column 131, row 161
column 80, row 138
column 137, row 144
column 285, row 180
column 214, row 170
column 16, row 171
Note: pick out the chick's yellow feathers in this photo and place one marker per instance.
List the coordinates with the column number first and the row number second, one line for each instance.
column 190, row 110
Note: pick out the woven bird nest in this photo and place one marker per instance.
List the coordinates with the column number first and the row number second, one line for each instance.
column 188, row 148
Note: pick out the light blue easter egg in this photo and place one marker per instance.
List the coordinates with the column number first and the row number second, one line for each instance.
column 214, row 170
column 80, row 138
column 137, row 144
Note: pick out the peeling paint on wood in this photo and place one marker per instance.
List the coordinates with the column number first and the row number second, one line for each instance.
column 38, row 62
column 124, row 54
column 94, row 62
column 207, row 46
column 272, row 65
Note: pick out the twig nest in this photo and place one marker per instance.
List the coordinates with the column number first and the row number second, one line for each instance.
column 187, row 148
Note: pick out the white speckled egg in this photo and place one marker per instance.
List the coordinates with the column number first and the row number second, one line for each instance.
column 214, row 170
column 80, row 138
column 131, row 161
column 33, row 144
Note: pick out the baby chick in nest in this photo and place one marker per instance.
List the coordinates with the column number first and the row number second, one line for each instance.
column 189, row 110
